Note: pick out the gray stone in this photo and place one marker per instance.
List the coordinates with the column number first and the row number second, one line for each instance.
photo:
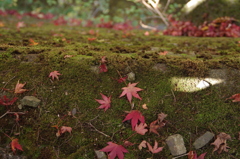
column 176, row 144
column 131, row 76
column 100, row 154
column 203, row 140
column 160, row 67
column 30, row 101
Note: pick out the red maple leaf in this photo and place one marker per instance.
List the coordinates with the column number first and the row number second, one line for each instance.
column 6, row 101
column 120, row 80
column 103, row 68
column 15, row 145
column 19, row 86
column 193, row 155
column 54, row 74
column 134, row 115
column 235, row 97
column 140, row 129
column 130, row 91
column 105, row 103
column 155, row 148
column 115, row 150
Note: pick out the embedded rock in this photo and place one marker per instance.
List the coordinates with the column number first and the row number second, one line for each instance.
column 100, row 154
column 131, row 76
column 30, row 101
column 176, row 144
column 203, row 140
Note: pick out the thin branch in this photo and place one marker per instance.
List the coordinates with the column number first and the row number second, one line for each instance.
column 8, row 82
column 153, row 7
column 174, row 97
column 146, row 26
column 8, row 112
column 98, row 130
column 166, row 6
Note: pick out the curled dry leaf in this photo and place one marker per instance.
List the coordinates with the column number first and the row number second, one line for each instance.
column 161, row 117
column 65, row 129
column 19, row 86
column 142, row 144
column 144, row 106
column 221, row 142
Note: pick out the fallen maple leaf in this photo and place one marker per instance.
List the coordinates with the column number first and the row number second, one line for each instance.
column 161, row 117
column 221, row 142
column 155, row 148
column 105, row 103
column 65, row 128
column 103, row 59
column 130, row 91
column 54, row 74
column 120, row 80
column 6, row 101
column 15, row 145
column 92, row 39
column 103, row 68
column 163, row 53
column 146, row 33
column 20, row 25
column 115, row 150
column 193, row 155
column 157, row 124
column 140, row 129
column 134, row 115
column 32, row 42
column 235, row 97
column 67, row 56
column 128, row 143
column 19, row 86
column 142, row 144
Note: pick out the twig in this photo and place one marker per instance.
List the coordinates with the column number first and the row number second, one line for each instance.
column 180, row 156
column 8, row 112
column 174, row 97
column 98, row 130
column 8, row 82
column 121, row 77
column 166, row 6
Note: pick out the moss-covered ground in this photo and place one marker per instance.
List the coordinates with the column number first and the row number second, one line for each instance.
column 189, row 113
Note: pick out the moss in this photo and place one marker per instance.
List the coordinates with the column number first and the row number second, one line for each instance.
column 189, row 113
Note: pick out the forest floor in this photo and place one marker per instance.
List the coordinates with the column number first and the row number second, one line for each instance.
column 170, row 70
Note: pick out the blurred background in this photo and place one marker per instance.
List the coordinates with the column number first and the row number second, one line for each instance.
column 119, row 11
